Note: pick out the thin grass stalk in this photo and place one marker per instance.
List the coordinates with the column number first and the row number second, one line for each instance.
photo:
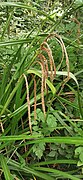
column 7, row 12
column 35, row 104
column 25, row 147
column 2, row 128
column 28, row 103
column 7, row 26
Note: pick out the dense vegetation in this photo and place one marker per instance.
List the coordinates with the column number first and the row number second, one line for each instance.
column 41, row 89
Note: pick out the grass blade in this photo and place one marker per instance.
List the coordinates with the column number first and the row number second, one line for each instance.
column 5, row 168
column 57, row 172
column 62, row 161
column 66, row 140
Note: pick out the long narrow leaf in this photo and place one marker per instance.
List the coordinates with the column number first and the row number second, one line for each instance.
column 62, row 161
column 5, row 168
column 66, row 140
column 57, row 172
column 22, row 5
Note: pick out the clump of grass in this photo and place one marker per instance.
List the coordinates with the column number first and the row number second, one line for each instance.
column 40, row 124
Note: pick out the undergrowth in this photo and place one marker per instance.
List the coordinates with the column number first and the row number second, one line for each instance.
column 41, row 93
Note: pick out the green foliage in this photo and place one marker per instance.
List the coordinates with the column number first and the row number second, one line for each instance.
column 38, row 149
column 5, row 168
column 41, row 90
column 79, row 153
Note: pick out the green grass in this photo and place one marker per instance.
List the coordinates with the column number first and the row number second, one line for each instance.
column 41, row 106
